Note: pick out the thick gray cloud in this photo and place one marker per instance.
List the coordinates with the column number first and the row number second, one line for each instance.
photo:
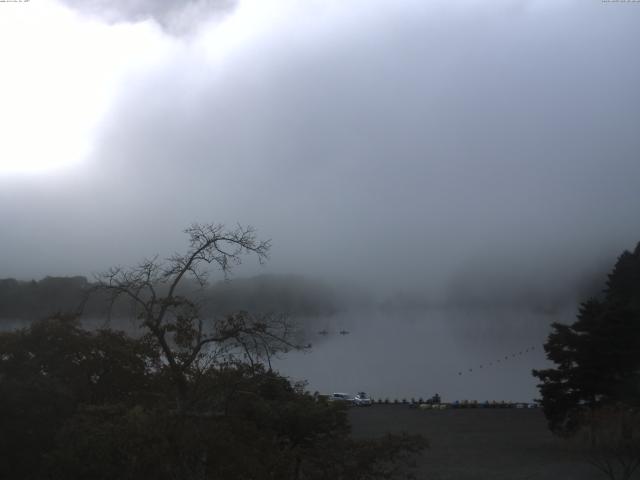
column 176, row 16
column 406, row 147
column 478, row 158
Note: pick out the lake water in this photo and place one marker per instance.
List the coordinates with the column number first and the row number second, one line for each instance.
column 457, row 353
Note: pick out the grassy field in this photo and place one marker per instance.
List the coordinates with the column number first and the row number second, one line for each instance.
column 479, row 444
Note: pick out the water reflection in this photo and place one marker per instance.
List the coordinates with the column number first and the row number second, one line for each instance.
column 457, row 353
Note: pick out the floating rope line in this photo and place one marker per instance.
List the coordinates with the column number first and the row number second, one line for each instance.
column 501, row 359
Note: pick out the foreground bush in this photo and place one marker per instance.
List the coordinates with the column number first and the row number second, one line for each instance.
column 76, row 404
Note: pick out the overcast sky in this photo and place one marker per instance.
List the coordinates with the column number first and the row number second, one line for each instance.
column 405, row 145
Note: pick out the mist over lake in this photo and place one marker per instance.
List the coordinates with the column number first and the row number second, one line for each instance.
column 416, row 353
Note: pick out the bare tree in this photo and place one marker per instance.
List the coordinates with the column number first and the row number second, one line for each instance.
column 174, row 320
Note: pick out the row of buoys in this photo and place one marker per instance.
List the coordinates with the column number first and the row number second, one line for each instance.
column 504, row 359
column 326, row 332
column 474, row 404
column 439, row 405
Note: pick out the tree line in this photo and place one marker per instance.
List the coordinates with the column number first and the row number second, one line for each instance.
column 293, row 294
column 593, row 389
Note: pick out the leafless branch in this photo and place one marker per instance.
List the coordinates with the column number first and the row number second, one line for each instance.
column 186, row 339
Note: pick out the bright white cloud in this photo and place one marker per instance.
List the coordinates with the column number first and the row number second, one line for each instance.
column 60, row 74
column 62, row 70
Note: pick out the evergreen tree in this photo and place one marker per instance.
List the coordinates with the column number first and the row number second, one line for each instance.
column 598, row 356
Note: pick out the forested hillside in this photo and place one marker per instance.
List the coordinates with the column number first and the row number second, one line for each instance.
column 288, row 294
